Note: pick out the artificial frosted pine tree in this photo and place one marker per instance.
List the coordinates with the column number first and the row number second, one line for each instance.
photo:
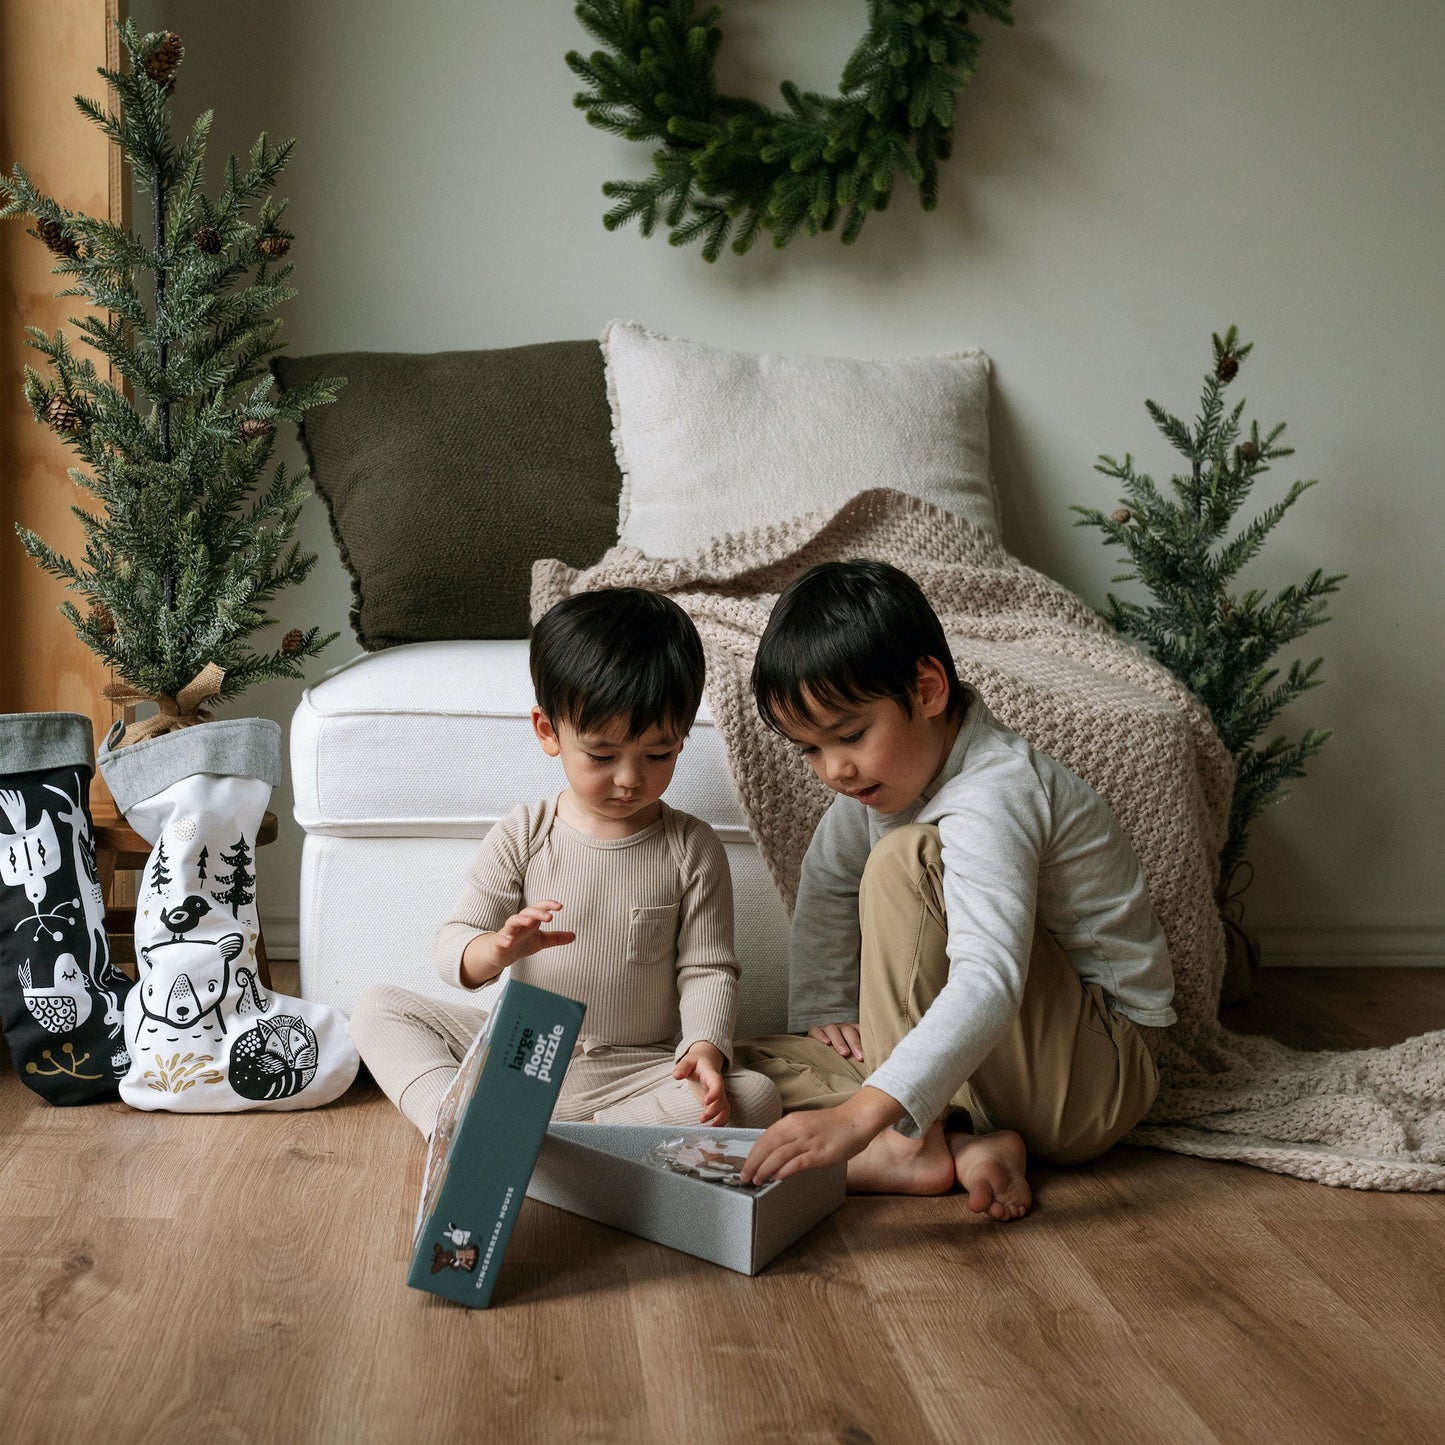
column 1214, row 636
column 189, row 538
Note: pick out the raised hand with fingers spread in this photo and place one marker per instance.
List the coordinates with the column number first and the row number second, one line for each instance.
column 519, row 937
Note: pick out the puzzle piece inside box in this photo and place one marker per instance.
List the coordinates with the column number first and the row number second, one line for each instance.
column 604, row 1171
column 702, row 1156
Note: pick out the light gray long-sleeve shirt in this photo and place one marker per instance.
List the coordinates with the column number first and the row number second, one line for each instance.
column 1022, row 838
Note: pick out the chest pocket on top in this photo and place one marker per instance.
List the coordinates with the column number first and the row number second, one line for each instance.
column 651, row 934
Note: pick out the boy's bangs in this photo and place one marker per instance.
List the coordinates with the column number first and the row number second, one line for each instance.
column 825, row 680
column 845, row 633
column 649, row 694
column 599, row 722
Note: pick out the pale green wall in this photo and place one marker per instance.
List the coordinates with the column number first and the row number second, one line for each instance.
column 1129, row 176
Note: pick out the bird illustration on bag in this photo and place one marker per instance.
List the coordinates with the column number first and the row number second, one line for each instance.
column 185, row 915
column 62, row 1007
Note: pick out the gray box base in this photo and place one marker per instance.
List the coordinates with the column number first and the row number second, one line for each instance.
column 600, row 1171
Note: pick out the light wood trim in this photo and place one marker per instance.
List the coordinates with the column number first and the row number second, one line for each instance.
column 49, row 53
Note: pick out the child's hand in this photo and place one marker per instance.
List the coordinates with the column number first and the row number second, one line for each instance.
column 489, row 953
column 521, row 935
column 845, row 1038
column 702, row 1067
column 815, row 1138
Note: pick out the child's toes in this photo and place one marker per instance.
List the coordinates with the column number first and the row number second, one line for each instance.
column 991, row 1168
column 981, row 1200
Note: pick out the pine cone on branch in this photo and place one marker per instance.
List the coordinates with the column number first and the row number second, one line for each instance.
column 104, row 619
column 275, row 246
column 60, row 416
column 208, row 240
column 293, row 642
column 161, row 64
column 1228, row 367
column 255, row 426
column 56, row 238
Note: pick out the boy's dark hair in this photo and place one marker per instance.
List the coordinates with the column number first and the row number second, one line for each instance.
column 846, row 633
column 619, row 653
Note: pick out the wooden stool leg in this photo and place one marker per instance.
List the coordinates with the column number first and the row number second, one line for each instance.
column 105, row 870
column 263, row 969
column 119, row 920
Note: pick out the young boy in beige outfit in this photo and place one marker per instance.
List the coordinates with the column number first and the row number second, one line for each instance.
column 618, row 677
column 973, row 943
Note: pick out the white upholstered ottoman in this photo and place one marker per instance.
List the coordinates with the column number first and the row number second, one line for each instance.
column 403, row 759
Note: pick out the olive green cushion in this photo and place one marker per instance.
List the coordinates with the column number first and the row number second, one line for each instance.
column 447, row 475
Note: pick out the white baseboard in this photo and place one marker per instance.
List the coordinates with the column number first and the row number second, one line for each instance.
column 1283, row 943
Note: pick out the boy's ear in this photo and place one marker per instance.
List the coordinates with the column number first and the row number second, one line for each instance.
column 546, row 733
column 932, row 687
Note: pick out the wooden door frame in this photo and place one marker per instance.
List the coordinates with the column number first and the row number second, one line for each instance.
column 49, row 53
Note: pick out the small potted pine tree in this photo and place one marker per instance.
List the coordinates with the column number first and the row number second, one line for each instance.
column 189, row 541
column 1215, row 636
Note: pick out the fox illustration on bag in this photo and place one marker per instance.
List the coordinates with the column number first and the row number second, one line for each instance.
column 275, row 1059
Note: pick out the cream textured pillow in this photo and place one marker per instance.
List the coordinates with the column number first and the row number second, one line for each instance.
column 712, row 441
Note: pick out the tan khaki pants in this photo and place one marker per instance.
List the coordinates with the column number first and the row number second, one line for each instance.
column 1069, row 1074
column 413, row 1045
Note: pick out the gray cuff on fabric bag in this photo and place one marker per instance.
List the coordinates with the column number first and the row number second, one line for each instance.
column 32, row 742
column 245, row 747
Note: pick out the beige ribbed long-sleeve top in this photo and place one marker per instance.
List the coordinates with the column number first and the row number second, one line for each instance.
column 653, row 958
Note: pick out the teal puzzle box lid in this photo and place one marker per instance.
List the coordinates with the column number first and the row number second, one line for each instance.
column 486, row 1140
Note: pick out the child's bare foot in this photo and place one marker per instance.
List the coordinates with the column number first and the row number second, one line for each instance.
column 991, row 1168
column 893, row 1164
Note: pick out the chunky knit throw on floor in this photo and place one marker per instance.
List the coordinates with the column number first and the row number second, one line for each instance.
column 1052, row 670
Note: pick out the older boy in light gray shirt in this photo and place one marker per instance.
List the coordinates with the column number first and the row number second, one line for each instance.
column 972, row 932
column 1024, row 843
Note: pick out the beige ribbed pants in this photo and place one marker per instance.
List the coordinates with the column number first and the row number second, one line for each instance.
column 1069, row 1075
column 413, row 1046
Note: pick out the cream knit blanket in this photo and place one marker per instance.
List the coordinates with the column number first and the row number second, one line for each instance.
column 1052, row 670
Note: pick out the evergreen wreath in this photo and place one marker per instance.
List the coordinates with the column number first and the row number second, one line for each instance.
column 733, row 167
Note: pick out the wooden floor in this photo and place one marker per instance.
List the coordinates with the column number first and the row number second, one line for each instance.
column 219, row 1279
